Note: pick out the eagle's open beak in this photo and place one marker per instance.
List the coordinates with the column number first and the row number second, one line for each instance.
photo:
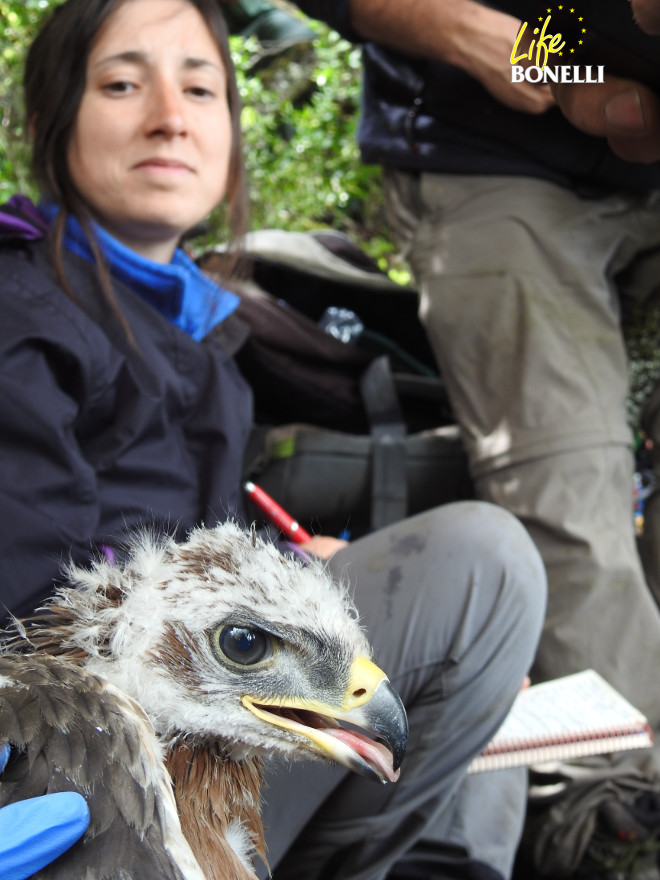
column 370, row 704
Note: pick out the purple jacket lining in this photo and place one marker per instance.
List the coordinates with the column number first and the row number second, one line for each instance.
column 30, row 225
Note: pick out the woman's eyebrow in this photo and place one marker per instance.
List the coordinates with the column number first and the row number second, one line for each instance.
column 195, row 63
column 133, row 57
column 143, row 59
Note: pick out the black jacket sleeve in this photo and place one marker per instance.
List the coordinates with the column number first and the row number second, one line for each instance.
column 48, row 492
column 101, row 436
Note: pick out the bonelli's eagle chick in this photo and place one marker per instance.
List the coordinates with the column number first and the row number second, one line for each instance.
column 156, row 687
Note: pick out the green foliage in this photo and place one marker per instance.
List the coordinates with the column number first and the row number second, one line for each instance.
column 300, row 115
column 18, row 25
column 641, row 330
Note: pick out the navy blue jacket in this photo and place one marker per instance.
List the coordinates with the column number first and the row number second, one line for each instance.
column 423, row 115
column 97, row 434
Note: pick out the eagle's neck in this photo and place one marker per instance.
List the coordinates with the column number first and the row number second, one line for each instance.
column 218, row 799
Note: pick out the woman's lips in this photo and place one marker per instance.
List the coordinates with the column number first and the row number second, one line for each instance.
column 163, row 166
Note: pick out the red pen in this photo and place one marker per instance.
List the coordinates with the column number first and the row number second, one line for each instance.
column 276, row 514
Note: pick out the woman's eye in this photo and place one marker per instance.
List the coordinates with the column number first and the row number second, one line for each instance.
column 120, row 87
column 244, row 645
column 200, row 92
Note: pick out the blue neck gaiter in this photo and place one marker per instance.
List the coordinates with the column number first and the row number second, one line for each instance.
column 179, row 290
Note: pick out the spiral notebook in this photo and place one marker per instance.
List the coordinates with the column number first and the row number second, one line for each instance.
column 570, row 717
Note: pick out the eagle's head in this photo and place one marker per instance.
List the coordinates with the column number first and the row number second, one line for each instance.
column 224, row 639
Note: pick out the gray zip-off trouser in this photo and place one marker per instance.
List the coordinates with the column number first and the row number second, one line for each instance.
column 520, row 283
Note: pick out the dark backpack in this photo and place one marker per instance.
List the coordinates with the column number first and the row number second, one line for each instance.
column 348, row 435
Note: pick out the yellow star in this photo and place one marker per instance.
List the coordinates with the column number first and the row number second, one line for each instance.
column 560, row 54
column 540, row 18
column 572, row 50
column 584, row 30
column 572, row 10
column 549, row 10
column 580, row 42
column 580, row 18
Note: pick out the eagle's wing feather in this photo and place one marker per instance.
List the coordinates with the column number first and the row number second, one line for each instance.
column 70, row 731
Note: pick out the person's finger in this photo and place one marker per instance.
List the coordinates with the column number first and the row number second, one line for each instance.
column 323, row 546
column 647, row 15
column 522, row 96
column 627, row 113
column 35, row 832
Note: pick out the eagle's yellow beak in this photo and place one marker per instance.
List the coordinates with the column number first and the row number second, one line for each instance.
column 370, row 704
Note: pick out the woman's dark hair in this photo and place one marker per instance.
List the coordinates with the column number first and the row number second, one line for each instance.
column 55, row 76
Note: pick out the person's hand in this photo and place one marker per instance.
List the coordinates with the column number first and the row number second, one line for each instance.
column 464, row 33
column 485, row 53
column 625, row 112
column 35, row 832
column 647, row 15
column 323, row 546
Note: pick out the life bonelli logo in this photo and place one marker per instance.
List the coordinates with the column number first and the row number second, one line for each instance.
column 536, row 43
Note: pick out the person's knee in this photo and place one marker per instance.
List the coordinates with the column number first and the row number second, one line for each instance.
column 504, row 557
column 445, row 578
column 486, row 545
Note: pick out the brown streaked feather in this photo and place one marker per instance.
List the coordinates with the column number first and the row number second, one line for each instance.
column 177, row 652
column 206, row 785
column 70, row 731
column 49, row 631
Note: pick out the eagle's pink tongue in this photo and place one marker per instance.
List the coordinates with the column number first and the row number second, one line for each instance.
column 374, row 753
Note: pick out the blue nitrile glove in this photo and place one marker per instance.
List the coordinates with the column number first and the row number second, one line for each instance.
column 35, row 832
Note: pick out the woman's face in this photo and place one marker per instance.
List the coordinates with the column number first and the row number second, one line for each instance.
column 149, row 152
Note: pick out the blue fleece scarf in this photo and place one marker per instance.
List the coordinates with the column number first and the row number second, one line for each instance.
column 178, row 290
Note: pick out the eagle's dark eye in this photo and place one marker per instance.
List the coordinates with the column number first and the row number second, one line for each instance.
column 243, row 645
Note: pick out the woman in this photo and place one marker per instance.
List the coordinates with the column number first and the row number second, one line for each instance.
column 121, row 405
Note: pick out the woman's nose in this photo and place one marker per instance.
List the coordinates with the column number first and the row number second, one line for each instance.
column 166, row 112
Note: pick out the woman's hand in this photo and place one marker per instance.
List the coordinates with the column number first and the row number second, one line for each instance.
column 323, row 546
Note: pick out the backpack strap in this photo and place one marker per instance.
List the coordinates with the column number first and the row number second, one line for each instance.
column 389, row 486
